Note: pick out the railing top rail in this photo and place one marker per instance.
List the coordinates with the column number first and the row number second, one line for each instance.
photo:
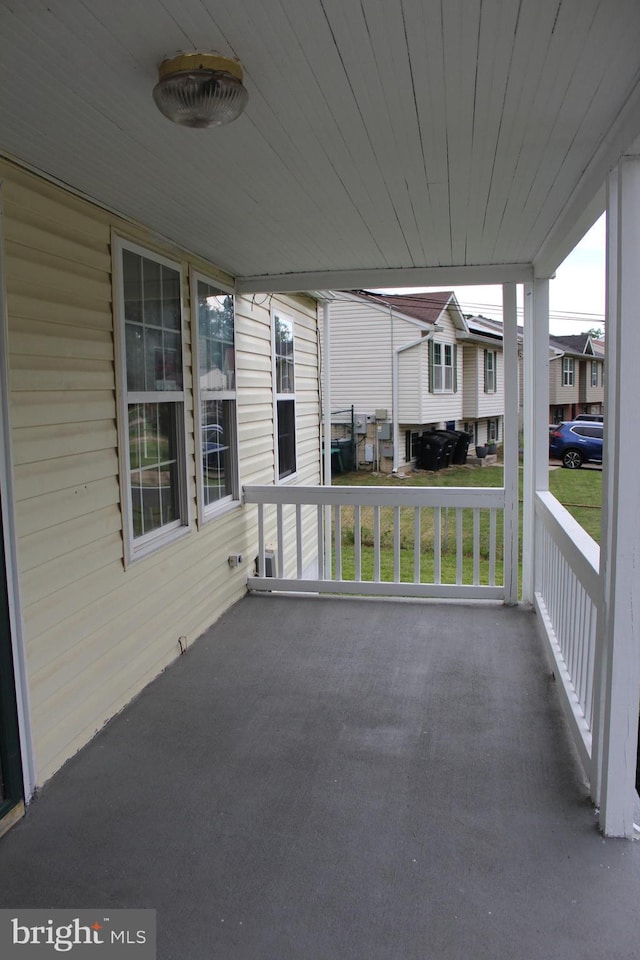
column 578, row 548
column 377, row 496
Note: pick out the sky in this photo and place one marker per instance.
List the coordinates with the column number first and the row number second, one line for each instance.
column 576, row 295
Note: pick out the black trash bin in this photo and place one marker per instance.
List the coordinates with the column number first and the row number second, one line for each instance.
column 345, row 446
column 461, row 441
column 451, row 440
column 431, row 450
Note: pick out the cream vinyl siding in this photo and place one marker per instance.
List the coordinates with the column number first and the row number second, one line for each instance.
column 477, row 403
column 95, row 631
column 557, row 393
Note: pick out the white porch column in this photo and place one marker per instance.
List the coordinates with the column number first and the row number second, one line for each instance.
column 536, row 419
column 326, row 435
column 510, row 442
column 616, row 720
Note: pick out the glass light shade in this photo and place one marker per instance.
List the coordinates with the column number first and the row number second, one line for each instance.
column 200, row 94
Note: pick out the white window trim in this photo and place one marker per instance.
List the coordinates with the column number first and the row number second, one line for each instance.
column 207, row 512
column 594, row 373
column 443, row 367
column 276, row 312
column 139, row 547
column 568, row 371
column 490, row 371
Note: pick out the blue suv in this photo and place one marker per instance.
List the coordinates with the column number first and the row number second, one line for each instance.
column 576, row 442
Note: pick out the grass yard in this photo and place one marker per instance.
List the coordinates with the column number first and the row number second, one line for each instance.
column 580, row 491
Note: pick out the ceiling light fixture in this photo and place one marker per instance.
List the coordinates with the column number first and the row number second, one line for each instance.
column 200, row 89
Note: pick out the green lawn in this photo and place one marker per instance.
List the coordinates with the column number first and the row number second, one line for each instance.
column 579, row 491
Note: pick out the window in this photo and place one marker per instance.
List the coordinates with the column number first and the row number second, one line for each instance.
column 442, row 367
column 567, row 371
column 411, row 445
column 470, row 428
column 594, row 373
column 285, row 395
column 216, row 400
column 152, row 398
column 490, row 365
column 492, row 431
column 558, row 414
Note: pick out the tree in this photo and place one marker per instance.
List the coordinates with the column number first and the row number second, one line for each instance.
column 596, row 333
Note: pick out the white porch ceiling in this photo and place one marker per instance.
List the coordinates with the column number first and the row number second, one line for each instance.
column 399, row 135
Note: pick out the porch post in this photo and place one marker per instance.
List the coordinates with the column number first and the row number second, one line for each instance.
column 536, row 420
column 510, row 442
column 325, row 563
column 616, row 719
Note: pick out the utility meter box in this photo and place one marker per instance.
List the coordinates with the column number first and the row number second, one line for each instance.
column 381, row 414
column 384, row 431
column 361, row 423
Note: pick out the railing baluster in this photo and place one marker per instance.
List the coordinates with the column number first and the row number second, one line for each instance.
column 437, row 545
column 320, row 515
column 416, row 545
column 458, row 545
column 280, row 527
column 376, row 544
column 492, row 546
column 357, row 543
column 299, row 540
column 396, row 544
column 476, row 545
column 338, row 540
column 261, row 539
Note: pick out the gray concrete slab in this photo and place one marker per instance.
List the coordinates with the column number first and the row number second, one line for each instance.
column 322, row 779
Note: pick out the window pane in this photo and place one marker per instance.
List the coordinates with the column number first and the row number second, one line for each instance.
column 170, row 298
column 215, row 338
column 218, row 446
column 153, row 461
column 286, row 438
column 284, row 355
column 154, row 354
column 135, row 357
column 152, row 292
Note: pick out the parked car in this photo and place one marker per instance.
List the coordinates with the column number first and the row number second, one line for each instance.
column 576, row 442
column 593, row 417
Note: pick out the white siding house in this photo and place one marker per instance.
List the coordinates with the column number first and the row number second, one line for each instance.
column 420, row 364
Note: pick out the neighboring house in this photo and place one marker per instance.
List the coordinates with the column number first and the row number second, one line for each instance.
column 408, row 364
column 576, row 376
column 141, row 398
column 483, row 383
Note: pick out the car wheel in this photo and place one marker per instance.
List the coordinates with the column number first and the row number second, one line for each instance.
column 572, row 459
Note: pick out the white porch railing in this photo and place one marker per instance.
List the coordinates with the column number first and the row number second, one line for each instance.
column 568, row 599
column 381, row 541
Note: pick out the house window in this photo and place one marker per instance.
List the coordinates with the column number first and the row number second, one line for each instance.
column 558, row 414
column 470, row 428
column 152, row 401
column 411, row 445
column 492, row 431
column 594, row 373
column 216, row 405
column 490, row 358
column 442, row 367
column 285, row 395
column 568, row 364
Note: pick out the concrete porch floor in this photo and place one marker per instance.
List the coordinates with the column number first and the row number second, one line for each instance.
column 322, row 779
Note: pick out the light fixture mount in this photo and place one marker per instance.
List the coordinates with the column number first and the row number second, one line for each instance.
column 200, row 89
